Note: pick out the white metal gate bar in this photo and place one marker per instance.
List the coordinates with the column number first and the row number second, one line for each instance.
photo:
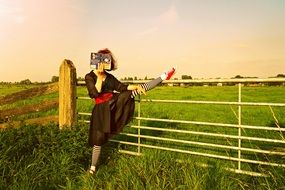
column 207, row 123
column 195, row 132
column 84, row 113
column 205, row 144
column 197, row 123
column 202, row 123
column 200, row 154
column 216, row 102
column 201, row 81
column 215, row 134
column 211, row 134
column 206, row 102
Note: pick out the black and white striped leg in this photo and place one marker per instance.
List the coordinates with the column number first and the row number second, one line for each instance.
column 148, row 86
column 95, row 157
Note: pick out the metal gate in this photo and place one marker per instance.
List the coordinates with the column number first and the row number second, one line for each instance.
column 236, row 129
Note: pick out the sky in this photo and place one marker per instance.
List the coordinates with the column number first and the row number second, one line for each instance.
column 201, row 38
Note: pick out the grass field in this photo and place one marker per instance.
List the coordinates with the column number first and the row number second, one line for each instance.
column 44, row 157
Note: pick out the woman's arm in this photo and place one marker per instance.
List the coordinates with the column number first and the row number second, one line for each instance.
column 120, row 87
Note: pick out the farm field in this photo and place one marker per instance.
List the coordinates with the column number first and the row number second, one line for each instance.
column 58, row 159
column 11, row 88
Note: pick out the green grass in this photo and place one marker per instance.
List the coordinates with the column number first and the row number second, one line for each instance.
column 44, row 157
column 47, row 158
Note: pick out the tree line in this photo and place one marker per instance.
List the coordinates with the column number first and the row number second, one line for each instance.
column 183, row 77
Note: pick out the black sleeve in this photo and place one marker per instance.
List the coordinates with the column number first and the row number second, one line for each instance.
column 90, row 84
column 118, row 86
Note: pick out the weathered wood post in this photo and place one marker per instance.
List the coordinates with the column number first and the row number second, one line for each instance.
column 67, row 94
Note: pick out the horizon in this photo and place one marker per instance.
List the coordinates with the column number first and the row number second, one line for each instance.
column 203, row 39
column 132, row 78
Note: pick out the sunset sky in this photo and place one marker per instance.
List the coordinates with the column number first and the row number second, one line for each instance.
column 202, row 38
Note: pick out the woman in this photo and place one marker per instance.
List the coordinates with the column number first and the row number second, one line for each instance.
column 114, row 104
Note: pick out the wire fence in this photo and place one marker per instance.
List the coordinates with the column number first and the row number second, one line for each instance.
column 243, row 145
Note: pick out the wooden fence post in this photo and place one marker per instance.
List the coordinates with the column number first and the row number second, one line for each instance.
column 67, row 94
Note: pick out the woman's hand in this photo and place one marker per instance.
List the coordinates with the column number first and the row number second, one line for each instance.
column 138, row 88
column 100, row 71
column 100, row 68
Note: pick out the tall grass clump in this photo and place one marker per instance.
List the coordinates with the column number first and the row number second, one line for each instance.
column 40, row 156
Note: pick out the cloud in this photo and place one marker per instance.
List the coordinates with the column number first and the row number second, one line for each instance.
column 6, row 9
column 10, row 11
column 166, row 18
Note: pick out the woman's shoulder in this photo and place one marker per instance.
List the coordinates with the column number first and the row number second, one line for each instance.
column 91, row 74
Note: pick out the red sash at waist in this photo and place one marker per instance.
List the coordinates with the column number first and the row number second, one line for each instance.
column 103, row 97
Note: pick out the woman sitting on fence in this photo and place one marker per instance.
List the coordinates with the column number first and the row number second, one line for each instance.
column 114, row 101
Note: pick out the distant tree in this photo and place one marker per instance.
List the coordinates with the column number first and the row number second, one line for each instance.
column 280, row 76
column 186, row 77
column 135, row 78
column 80, row 79
column 145, row 78
column 26, row 81
column 54, row 79
column 238, row 77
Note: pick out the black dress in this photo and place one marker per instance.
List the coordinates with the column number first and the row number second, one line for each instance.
column 108, row 118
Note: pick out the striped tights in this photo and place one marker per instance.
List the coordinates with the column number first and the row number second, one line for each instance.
column 95, row 156
column 148, row 86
